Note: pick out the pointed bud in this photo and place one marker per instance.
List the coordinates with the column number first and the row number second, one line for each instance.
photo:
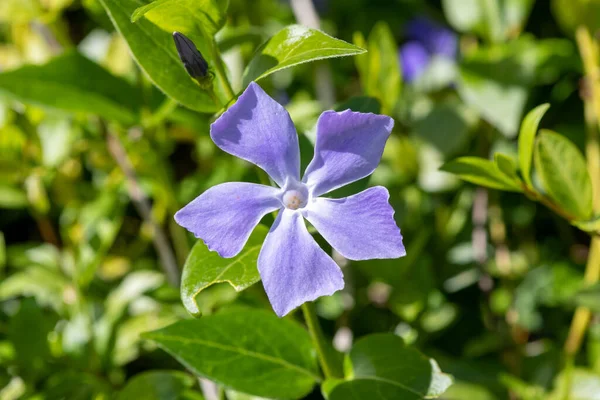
column 195, row 65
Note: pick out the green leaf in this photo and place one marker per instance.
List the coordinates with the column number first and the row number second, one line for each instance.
column 295, row 45
column 453, row 120
column 28, row 331
column 563, row 172
column 591, row 225
column 527, row 134
column 496, row 80
column 464, row 17
column 204, row 268
column 154, row 51
column 185, row 15
column 380, row 68
column 12, row 197
column 383, row 367
column 507, row 166
column 480, row 172
column 160, row 385
column 76, row 385
column 515, row 14
column 73, row 83
column 48, row 287
column 571, row 14
column 248, row 350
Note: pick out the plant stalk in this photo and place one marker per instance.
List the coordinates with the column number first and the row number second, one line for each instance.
column 325, row 355
column 220, row 71
column 588, row 49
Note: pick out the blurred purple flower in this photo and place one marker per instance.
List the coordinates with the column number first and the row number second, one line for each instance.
column 415, row 59
column 426, row 39
column 293, row 268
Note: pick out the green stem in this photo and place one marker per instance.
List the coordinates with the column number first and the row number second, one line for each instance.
column 588, row 49
column 326, row 360
column 220, row 71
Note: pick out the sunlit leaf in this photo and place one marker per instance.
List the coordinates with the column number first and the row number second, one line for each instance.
column 380, row 68
column 295, row 45
column 204, row 268
column 563, row 172
column 185, row 15
column 73, row 83
column 154, row 51
column 480, row 172
column 527, row 134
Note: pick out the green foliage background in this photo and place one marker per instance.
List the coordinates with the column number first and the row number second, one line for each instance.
column 493, row 169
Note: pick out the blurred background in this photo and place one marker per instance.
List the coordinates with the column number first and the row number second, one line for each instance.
column 90, row 256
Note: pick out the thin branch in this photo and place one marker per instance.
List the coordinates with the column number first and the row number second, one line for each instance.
column 141, row 203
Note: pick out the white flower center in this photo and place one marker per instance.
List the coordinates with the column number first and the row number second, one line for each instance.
column 295, row 195
column 294, row 199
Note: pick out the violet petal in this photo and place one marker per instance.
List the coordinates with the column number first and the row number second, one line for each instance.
column 292, row 266
column 349, row 147
column 225, row 215
column 259, row 130
column 359, row 227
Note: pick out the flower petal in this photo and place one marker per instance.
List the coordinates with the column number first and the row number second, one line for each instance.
column 225, row 215
column 349, row 147
column 259, row 130
column 292, row 266
column 359, row 227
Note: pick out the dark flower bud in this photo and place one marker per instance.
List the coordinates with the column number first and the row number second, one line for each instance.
column 192, row 59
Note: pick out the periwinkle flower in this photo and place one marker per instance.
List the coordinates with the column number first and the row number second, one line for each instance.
column 292, row 266
column 426, row 40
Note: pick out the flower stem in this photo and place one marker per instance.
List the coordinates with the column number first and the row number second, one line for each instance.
column 220, row 71
column 324, row 353
column 591, row 98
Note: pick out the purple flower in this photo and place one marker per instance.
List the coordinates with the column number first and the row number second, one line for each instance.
column 293, row 268
column 414, row 58
column 426, row 39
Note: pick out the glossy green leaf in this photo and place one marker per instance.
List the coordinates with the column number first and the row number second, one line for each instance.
column 204, row 268
column 160, row 385
column 380, row 68
column 563, row 172
column 480, row 172
column 185, row 15
column 529, row 128
column 383, row 367
column 73, row 83
column 248, row 350
column 154, row 51
column 295, row 45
